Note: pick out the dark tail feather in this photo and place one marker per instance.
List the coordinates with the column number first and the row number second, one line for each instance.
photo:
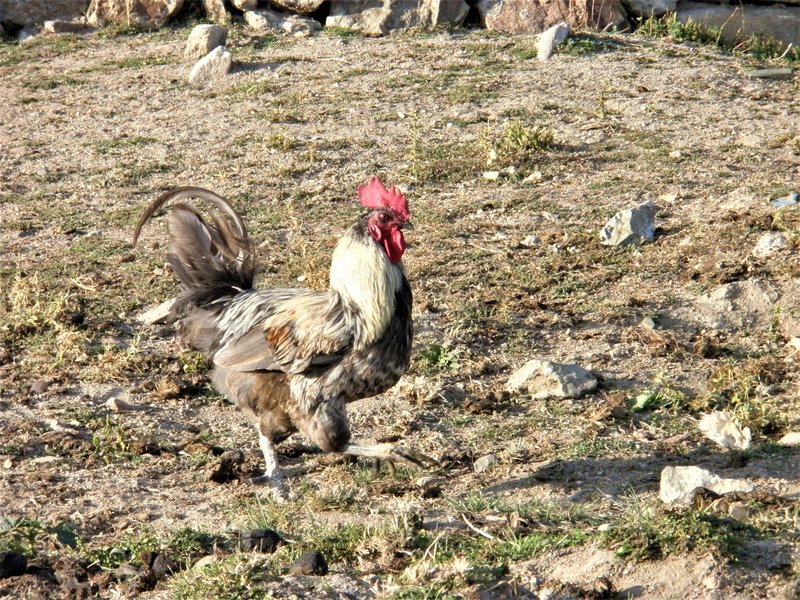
column 211, row 260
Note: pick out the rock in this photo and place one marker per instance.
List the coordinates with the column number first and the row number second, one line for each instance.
column 719, row 427
column 634, row 226
column 211, row 68
column 789, row 200
column 25, row 35
column 784, row 73
column 244, row 5
column 76, row 26
column 649, row 8
column 790, row 439
column 202, row 40
column 534, row 16
column 738, row 23
column 262, row 540
column 379, row 17
column 302, row 7
column 491, row 175
column 738, row 511
column 677, row 483
column 227, row 468
column 310, row 563
column 770, row 243
column 544, row 379
column 164, row 566
column 12, row 564
column 737, row 304
column 549, row 39
column 216, row 11
column 147, row 13
column 531, row 241
column 206, row 561
column 39, row 386
column 159, row 314
column 35, row 12
column 485, row 463
column 263, row 20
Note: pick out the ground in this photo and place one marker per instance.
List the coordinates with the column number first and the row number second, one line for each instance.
column 112, row 442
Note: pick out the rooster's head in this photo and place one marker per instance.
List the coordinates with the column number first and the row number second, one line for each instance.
column 387, row 217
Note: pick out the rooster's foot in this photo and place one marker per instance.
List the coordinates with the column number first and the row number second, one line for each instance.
column 276, row 484
column 392, row 454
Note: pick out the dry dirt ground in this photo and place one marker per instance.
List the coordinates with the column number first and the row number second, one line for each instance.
column 93, row 128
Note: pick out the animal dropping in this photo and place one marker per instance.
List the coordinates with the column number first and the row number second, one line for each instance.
column 293, row 358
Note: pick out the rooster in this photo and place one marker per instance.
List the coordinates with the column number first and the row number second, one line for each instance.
column 294, row 357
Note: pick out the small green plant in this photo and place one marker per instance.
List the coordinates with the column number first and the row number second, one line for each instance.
column 30, row 536
column 663, row 394
column 518, row 145
column 111, row 442
column 193, row 362
column 340, row 32
column 437, row 358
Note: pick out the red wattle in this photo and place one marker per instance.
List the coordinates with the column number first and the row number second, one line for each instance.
column 395, row 245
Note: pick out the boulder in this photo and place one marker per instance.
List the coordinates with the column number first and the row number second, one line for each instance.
column 379, row 17
column 263, row 20
column 738, row 23
column 216, row 11
column 544, row 379
column 147, row 13
column 211, row 68
column 772, row 242
column 303, row 7
column 245, row 4
column 36, row 12
column 203, row 39
column 535, row 16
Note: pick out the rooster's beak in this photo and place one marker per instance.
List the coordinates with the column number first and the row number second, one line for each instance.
column 407, row 225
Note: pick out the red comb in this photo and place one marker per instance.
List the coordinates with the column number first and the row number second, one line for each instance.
column 375, row 195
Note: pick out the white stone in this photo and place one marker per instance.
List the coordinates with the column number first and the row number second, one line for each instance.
column 203, row 39
column 211, row 68
column 720, row 428
column 549, row 39
column 545, row 379
column 216, row 11
column 771, row 243
column 379, row 17
column 158, row 314
column 491, row 175
column 530, row 241
column 245, row 4
column 633, row 226
column 790, row 439
column 677, row 483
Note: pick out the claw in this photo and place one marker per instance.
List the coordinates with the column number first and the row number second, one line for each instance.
column 276, row 484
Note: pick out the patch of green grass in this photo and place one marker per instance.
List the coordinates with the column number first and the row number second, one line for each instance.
column 518, row 145
column 135, row 173
column 583, row 44
column 437, row 358
column 340, row 32
column 51, row 83
column 112, row 442
column 650, row 531
column 139, row 62
column 29, row 536
column 108, row 146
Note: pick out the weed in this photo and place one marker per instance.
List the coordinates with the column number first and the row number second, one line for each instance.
column 107, row 146
column 140, row 62
column 31, row 536
column 517, row 145
column 111, row 442
column 437, row 358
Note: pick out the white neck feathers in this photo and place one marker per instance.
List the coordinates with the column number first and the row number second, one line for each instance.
column 367, row 283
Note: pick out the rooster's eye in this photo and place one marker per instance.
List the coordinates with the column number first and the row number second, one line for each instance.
column 384, row 217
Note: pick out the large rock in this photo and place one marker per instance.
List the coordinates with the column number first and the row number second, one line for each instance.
column 203, row 39
column 302, row 7
column 147, row 13
column 378, row 17
column 649, row 8
column 36, row 12
column 216, row 11
column 535, row 16
column 677, row 483
column 544, row 379
column 211, row 68
column 737, row 23
column 265, row 19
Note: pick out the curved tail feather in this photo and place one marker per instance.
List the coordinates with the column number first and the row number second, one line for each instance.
column 212, row 260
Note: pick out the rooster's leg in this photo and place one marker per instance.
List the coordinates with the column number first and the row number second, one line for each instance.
column 272, row 473
column 392, row 454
